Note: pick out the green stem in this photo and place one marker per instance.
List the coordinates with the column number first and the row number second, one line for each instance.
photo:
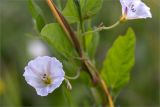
column 103, row 28
column 103, row 85
column 69, row 86
column 75, row 77
column 83, row 38
column 71, row 35
column 77, row 3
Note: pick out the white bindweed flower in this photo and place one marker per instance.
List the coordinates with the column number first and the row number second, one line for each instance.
column 45, row 74
column 135, row 9
column 37, row 48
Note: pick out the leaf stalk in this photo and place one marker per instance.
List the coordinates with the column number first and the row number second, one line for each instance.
column 103, row 28
column 74, row 40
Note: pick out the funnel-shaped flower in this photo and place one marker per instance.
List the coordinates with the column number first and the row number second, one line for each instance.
column 45, row 74
column 134, row 9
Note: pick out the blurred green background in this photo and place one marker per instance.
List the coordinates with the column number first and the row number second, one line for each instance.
column 17, row 48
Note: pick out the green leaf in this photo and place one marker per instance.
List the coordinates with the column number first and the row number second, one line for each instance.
column 70, row 12
column 62, row 48
column 55, row 36
column 119, row 61
column 37, row 15
column 88, row 9
column 91, row 42
column 39, row 22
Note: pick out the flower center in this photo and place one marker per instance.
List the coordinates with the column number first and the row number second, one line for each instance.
column 132, row 7
column 46, row 79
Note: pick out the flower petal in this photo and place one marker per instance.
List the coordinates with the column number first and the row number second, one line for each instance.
column 40, row 64
column 50, row 88
column 42, row 91
column 30, row 71
column 123, row 6
column 57, row 82
column 34, row 82
column 43, row 69
column 141, row 11
column 136, row 9
column 56, row 68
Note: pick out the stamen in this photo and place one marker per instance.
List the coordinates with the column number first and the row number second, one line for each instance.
column 46, row 79
column 132, row 8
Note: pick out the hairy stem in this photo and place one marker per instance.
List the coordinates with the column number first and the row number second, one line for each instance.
column 102, row 28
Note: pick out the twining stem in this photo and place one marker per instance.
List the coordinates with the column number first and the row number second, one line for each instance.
column 103, row 28
column 107, row 92
column 83, row 38
column 72, row 37
column 57, row 17
column 69, row 86
column 67, row 29
column 78, row 7
column 103, row 85
column 75, row 77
